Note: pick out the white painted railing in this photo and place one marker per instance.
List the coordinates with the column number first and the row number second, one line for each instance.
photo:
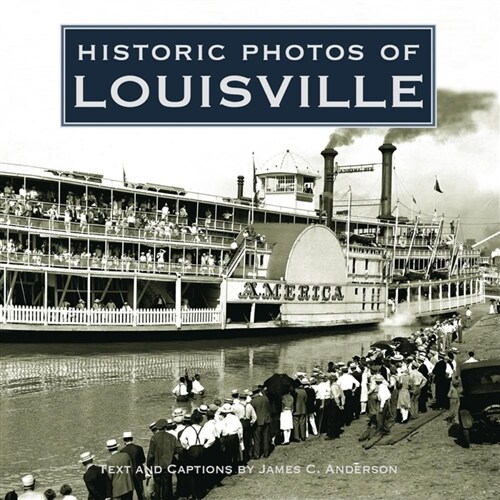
column 200, row 316
column 38, row 315
column 436, row 305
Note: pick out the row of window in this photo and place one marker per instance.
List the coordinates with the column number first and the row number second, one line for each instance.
column 374, row 294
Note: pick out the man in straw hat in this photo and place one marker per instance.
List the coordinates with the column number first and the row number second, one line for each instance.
column 162, row 448
column 28, row 482
column 119, row 468
column 231, row 436
column 96, row 478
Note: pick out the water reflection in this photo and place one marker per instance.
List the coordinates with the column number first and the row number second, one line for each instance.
column 60, row 400
column 41, row 368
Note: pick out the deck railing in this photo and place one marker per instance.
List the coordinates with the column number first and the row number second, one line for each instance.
column 60, row 229
column 78, row 262
column 38, row 315
column 439, row 302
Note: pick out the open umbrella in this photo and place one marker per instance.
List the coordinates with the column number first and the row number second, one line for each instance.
column 278, row 384
column 406, row 348
column 383, row 344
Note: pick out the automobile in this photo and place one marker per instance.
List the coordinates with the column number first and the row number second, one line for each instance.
column 480, row 401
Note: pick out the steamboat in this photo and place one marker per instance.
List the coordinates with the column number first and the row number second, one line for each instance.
column 82, row 254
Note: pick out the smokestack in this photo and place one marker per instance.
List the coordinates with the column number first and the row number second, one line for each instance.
column 329, row 155
column 387, row 151
column 241, row 181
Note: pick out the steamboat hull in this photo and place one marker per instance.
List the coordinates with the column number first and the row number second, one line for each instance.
column 84, row 258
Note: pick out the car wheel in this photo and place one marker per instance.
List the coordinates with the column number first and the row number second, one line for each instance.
column 466, row 438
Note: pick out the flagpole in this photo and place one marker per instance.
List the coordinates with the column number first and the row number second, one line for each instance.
column 254, row 181
column 434, row 209
column 395, row 238
column 348, row 232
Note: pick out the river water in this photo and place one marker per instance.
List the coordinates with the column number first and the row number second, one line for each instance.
column 60, row 400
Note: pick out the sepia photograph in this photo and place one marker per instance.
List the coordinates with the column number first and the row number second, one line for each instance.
column 249, row 249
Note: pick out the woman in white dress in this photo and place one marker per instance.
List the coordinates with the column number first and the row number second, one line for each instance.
column 492, row 307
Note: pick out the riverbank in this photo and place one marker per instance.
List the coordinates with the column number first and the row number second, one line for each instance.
column 428, row 463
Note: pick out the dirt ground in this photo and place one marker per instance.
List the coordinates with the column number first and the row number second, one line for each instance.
column 428, row 463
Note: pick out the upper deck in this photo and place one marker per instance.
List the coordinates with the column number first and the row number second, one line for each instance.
column 63, row 215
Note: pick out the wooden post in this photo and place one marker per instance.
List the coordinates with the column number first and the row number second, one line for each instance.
column 419, row 298
column 45, row 297
column 223, row 302
column 89, row 296
column 134, row 301
column 5, row 294
column 440, row 296
column 178, row 301
column 252, row 313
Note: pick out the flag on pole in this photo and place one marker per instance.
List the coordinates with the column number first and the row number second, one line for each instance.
column 124, row 176
column 255, row 191
column 254, row 175
column 437, row 187
column 414, row 200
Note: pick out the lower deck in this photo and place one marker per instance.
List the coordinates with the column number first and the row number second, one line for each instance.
column 106, row 303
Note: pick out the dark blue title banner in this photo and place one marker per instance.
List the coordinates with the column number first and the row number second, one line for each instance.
column 241, row 75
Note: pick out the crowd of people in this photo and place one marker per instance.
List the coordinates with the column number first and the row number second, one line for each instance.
column 114, row 258
column 29, row 482
column 115, row 214
column 391, row 384
column 494, row 307
column 120, row 217
column 87, row 207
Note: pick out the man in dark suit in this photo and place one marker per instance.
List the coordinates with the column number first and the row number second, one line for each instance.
column 96, row 478
column 262, row 409
column 119, row 467
column 162, row 448
column 299, row 412
column 136, row 454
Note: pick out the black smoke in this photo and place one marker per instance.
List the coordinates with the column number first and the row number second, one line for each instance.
column 345, row 136
column 457, row 114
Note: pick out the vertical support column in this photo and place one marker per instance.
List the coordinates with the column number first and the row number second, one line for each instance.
column 223, row 302
column 396, row 300
column 408, row 298
column 440, row 296
column 178, row 301
column 45, row 297
column 252, row 313
column 449, row 295
column 430, row 298
column 419, row 298
column 5, row 294
column 458, row 294
column 89, row 296
column 386, row 291
column 134, row 300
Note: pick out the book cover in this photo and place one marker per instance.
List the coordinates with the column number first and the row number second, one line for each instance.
column 209, row 141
